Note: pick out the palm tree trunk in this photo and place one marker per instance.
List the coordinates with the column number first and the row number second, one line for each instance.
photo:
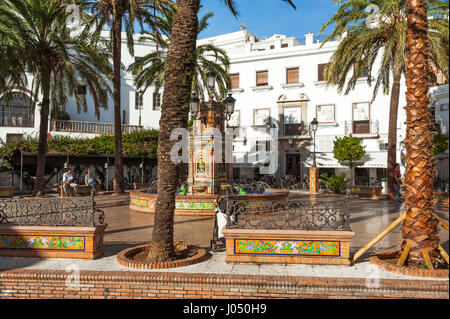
column 419, row 228
column 117, row 53
column 177, row 89
column 43, row 131
column 392, row 132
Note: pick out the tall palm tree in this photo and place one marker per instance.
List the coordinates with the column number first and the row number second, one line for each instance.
column 365, row 43
column 119, row 14
column 149, row 69
column 180, row 62
column 59, row 61
column 419, row 228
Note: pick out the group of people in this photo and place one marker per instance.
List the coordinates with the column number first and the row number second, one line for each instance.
column 89, row 179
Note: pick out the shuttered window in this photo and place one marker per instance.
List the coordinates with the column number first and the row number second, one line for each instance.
column 234, row 79
column 292, row 76
column 139, row 100
column 262, row 78
column 320, row 72
column 157, row 101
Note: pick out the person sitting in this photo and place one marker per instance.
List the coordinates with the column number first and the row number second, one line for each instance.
column 68, row 180
column 91, row 180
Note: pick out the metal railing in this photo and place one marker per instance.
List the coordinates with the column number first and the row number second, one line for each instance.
column 89, row 127
column 367, row 181
column 56, row 211
column 362, row 127
column 441, row 184
column 293, row 215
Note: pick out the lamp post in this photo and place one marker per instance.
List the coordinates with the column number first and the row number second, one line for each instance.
column 107, row 176
column 314, row 171
column 141, row 166
column 140, row 98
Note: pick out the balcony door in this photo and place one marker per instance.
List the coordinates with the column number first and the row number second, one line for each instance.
column 361, row 118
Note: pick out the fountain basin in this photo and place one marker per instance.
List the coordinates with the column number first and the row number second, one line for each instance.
column 144, row 202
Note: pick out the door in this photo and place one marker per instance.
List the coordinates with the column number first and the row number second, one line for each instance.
column 293, row 164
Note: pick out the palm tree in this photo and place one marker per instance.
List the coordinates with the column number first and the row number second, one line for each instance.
column 149, row 69
column 119, row 14
column 364, row 44
column 419, row 228
column 178, row 76
column 59, row 61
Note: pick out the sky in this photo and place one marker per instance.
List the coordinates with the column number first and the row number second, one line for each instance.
column 266, row 17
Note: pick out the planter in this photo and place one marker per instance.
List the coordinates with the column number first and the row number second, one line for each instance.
column 366, row 191
column 124, row 258
column 380, row 260
column 78, row 242
column 288, row 246
column 6, row 191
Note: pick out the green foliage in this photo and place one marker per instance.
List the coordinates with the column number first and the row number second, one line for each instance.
column 439, row 144
column 348, row 150
column 337, row 184
column 136, row 144
column 58, row 114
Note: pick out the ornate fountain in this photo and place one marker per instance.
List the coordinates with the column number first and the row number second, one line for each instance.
column 208, row 176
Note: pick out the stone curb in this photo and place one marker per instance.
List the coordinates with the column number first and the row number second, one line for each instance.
column 122, row 259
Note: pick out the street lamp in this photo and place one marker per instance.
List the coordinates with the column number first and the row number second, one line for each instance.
column 194, row 107
column 313, row 171
column 141, row 166
column 140, row 98
column 211, row 79
column 314, row 127
column 107, row 176
column 229, row 106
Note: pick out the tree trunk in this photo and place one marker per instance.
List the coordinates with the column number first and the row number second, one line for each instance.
column 43, row 131
column 419, row 228
column 392, row 134
column 117, row 52
column 177, row 89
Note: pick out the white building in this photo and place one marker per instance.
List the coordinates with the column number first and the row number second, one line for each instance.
column 277, row 83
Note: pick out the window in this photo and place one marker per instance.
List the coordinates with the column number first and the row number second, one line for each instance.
column 262, row 78
column 292, row 75
column 321, row 72
column 284, row 45
column 325, row 113
column 16, row 111
column 292, row 121
column 364, row 73
column 81, row 89
column 234, row 79
column 261, row 117
column 139, row 100
column 156, row 101
column 361, row 118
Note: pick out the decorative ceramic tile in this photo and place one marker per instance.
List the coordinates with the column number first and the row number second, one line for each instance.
column 139, row 202
column 193, row 205
column 42, row 242
column 287, row 247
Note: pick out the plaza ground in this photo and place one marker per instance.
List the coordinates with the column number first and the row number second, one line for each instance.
column 127, row 228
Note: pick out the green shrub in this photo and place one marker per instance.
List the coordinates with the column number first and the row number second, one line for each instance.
column 336, row 184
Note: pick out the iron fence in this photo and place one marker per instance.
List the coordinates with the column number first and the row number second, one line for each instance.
column 56, row 211
column 287, row 215
column 441, row 184
column 367, row 181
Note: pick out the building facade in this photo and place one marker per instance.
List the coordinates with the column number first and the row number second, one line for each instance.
column 279, row 89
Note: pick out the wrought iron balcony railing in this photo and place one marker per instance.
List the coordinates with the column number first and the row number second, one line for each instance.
column 362, row 127
column 89, row 127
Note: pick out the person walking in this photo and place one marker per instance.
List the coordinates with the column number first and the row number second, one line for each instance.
column 397, row 183
column 91, row 180
column 69, row 181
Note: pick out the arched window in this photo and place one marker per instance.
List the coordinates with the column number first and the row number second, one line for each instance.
column 16, row 111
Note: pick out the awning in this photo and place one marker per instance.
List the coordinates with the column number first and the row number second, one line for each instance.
column 250, row 160
column 369, row 160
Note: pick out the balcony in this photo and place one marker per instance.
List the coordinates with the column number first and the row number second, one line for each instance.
column 89, row 127
column 363, row 128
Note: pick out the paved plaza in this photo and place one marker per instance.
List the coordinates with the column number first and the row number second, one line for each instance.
column 127, row 228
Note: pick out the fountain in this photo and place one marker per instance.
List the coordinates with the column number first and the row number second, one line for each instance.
column 207, row 178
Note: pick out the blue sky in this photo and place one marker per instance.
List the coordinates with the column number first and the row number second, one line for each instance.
column 266, row 17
